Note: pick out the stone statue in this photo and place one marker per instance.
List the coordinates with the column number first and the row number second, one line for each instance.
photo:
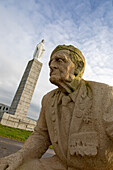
column 76, row 118
column 39, row 50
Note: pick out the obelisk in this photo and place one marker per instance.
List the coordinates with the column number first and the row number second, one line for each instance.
column 24, row 93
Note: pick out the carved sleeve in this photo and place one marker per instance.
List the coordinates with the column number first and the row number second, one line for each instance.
column 108, row 112
column 39, row 141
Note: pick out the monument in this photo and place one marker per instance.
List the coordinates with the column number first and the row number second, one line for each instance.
column 23, row 96
column 76, row 118
column 22, row 99
column 39, row 50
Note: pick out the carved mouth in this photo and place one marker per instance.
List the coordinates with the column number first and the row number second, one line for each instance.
column 53, row 72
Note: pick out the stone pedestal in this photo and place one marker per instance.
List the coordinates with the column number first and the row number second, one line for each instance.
column 23, row 96
column 17, row 122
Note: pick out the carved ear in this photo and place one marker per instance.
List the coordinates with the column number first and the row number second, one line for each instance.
column 79, row 67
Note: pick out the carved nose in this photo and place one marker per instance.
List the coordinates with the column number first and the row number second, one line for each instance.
column 52, row 65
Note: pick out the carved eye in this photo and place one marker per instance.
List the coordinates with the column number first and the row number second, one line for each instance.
column 59, row 60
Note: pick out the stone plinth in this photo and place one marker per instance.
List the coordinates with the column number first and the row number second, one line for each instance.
column 17, row 122
column 23, row 96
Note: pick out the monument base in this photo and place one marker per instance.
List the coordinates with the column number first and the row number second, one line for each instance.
column 16, row 121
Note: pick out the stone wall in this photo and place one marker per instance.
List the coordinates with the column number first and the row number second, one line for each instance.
column 16, row 121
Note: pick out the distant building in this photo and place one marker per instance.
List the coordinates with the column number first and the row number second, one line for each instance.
column 3, row 109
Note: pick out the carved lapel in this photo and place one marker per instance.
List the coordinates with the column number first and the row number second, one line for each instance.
column 83, row 137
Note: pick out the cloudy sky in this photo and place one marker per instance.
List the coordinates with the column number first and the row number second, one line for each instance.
column 86, row 24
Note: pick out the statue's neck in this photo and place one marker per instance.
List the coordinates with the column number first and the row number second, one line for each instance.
column 69, row 87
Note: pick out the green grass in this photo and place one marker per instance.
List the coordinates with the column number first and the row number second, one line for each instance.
column 16, row 134
column 13, row 133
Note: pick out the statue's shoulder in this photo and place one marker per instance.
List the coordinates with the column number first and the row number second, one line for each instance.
column 50, row 94
column 97, row 86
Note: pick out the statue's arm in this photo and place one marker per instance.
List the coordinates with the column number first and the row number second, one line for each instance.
column 34, row 147
column 39, row 140
column 107, row 107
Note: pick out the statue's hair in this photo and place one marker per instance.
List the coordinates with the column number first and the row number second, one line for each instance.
column 76, row 57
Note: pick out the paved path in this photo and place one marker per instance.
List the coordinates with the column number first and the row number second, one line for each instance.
column 9, row 146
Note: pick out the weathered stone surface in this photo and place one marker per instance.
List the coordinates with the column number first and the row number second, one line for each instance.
column 18, row 121
column 13, row 119
column 76, row 118
column 32, row 122
column 4, row 122
column 23, row 96
column 15, row 125
column 21, row 126
column 6, row 116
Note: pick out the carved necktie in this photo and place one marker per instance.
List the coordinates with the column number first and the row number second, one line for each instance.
column 67, row 110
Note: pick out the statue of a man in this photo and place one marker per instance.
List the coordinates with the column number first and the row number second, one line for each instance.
column 39, row 50
column 76, row 118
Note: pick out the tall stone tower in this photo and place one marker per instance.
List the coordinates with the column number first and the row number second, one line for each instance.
column 23, row 96
column 22, row 99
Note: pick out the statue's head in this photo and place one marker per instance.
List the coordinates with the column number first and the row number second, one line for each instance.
column 66, row 63
column 42, row 41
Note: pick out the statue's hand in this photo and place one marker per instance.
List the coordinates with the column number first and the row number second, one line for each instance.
column 11, row 162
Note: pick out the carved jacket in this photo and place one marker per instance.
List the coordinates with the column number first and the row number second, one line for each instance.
column 84, row 135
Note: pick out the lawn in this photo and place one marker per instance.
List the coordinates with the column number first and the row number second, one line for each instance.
column 13, row 133
column 16, row 134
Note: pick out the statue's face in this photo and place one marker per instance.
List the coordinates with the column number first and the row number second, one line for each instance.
column 61, row 67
